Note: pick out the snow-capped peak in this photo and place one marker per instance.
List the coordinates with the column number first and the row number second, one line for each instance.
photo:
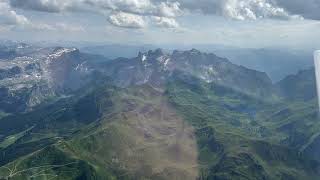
column 60, row 51
column 143, row 58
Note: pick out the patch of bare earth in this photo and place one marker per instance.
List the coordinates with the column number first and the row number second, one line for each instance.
column 144, row 139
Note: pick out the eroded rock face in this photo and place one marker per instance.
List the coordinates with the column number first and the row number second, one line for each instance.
column 59, row 71
column 154, row 67
column 36, row 74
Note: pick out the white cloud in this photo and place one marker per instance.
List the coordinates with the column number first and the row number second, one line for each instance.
column 166, row 22
column 236, row 9
column 127, row 20
column 137, row 13
column 240, row 9
column 43, row 5
column 253, row 10
column 167, row 9
column 132, row 13
column 128, row 6
column 307, row 8
column 129, row 13
column 141, row 7
column 9, row 17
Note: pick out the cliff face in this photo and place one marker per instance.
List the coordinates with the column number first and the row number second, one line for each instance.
column 155, row 67
column 30, row 78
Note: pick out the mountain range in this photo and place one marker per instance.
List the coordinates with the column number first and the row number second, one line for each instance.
column 66, row 114
column 276, row 62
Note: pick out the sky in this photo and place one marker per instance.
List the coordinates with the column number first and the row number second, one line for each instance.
column 240, row 23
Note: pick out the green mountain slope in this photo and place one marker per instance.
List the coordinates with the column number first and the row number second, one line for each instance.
column 301, row 86
column 193, row 129
column 167, row 121
column 235, row 141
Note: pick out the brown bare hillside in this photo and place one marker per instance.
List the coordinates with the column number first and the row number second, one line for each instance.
column 144, row 138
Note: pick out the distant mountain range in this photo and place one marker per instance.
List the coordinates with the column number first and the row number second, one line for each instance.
column 159, row 115
column 277, row 63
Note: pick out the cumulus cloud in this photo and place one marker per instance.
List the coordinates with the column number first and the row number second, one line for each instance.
column 141, row 7
column 128, row 6
column 254, row 9
column 133, row 13
column 50, row 6
column 10, row 17
column 240, row 9
column 167, row 9
column 40, row 5
column 166, row 22
column 127, row 20
column 307, row 8
column 235, row 9
column 129, row 13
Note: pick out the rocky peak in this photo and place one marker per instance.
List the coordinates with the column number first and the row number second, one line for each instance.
column 193, row 51
column 40, row 73
column 153, row 57
column 60, row 51
column 156, row 53
column 158, row 65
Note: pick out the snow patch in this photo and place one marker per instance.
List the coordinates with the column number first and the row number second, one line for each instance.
column 144, row 58
column 166, row 62
column 61, row 51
